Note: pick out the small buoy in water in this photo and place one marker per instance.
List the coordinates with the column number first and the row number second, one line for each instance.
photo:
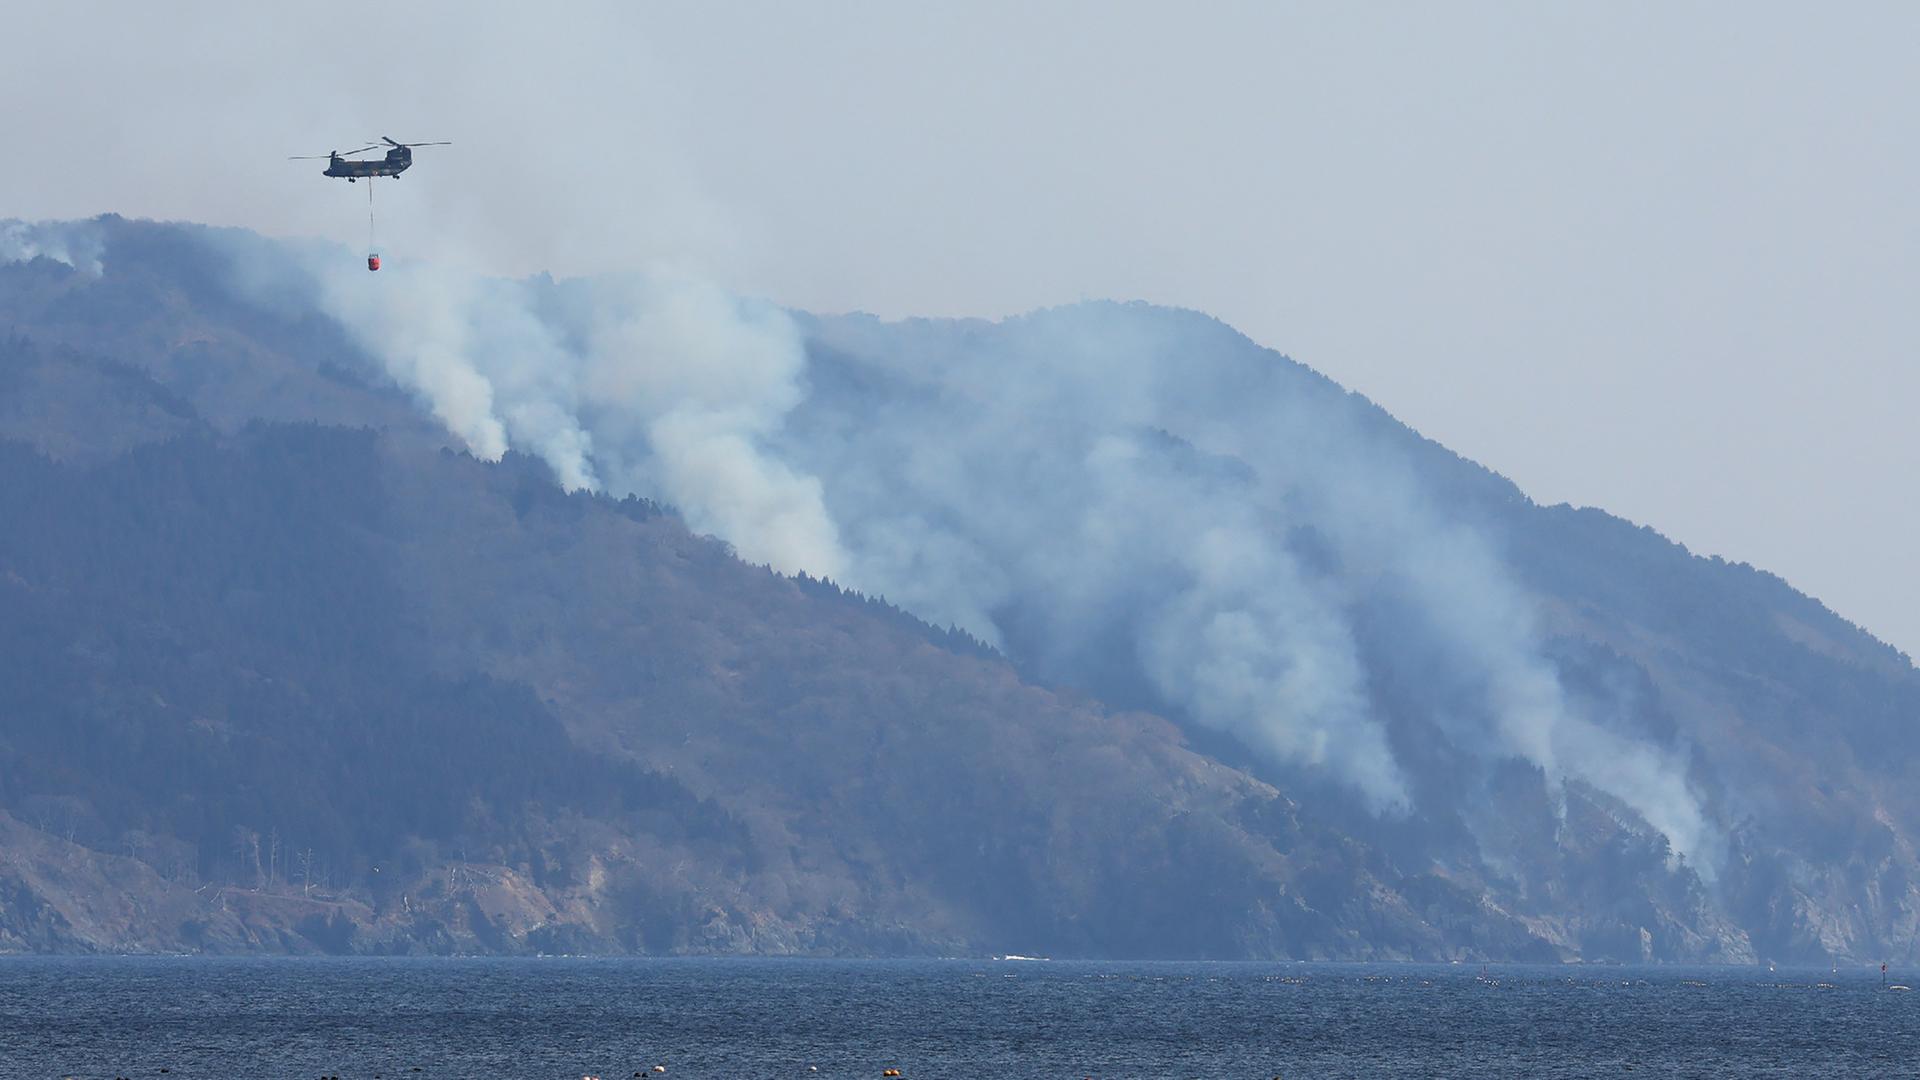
column 659, row 1068
column 373, row 262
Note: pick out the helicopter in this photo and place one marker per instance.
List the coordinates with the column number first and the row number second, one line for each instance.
column 397, row 161
column 342, row 166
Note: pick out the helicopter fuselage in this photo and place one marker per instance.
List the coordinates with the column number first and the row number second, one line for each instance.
column 395, row 163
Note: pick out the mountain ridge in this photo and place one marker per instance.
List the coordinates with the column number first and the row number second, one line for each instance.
column 1049, row 810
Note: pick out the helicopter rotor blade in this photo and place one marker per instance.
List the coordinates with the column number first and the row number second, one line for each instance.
column 391, row 142
column 333, row 154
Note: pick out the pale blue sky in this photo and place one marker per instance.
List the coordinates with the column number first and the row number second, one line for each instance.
column 1658, row 258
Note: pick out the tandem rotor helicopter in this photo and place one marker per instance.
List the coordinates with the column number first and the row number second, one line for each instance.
column 344, row 166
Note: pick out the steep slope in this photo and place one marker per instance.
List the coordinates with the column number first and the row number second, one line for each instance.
column 1707, row 690
column 274, row 678
column 313, row 688
column 1502, row 730
column 1694, row 686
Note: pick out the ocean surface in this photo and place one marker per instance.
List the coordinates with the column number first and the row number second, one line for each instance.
column 566, row 1018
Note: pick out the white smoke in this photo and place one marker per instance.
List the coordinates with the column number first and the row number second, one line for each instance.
column 75, row 243
column 425, row 329
column 1486, row 628
column 1094, row 488
column 1277, row 664
column 658, row 384
column 1123, row 465
column 687, row 385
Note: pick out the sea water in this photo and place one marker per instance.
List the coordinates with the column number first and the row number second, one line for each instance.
column 191, row 1018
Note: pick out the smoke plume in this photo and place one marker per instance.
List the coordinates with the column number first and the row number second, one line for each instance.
column 1116, row 495
column 76, row 244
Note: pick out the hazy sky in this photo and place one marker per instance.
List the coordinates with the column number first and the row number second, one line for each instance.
column 1659, row 258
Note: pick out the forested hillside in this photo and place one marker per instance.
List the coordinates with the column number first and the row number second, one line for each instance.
column 286, row 665
column 324, row 691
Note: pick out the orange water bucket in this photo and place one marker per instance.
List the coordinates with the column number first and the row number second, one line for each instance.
column 373, row 262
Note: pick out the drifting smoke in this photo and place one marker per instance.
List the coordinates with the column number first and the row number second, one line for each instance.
column 658, row 385
column 1097, row 490
column 75, row 244
column 1108, row 466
